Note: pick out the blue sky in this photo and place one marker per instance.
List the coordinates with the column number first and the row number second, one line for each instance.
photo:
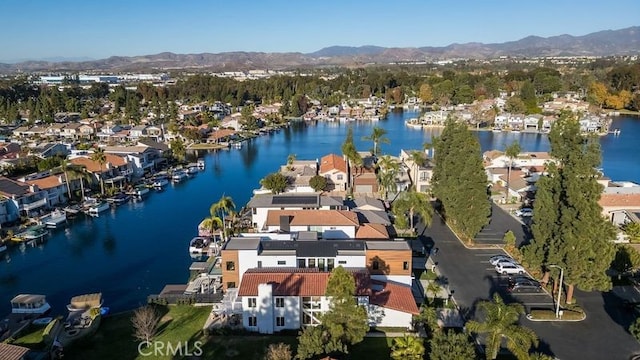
column 36, row 29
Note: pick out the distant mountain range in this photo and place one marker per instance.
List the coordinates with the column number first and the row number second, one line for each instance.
column 602, row 43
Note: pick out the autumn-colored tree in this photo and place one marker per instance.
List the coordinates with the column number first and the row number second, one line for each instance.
column 426, row 93
column 597, row 93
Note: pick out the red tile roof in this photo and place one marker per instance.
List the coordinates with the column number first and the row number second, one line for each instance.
column 48, row 182
column 620, row 200
column 332, row 162
column 296, row 281
column 314, row 217
column 372, row 231
column 285, row 284
column 95, row 167
column 394, row 296
column 12, row 352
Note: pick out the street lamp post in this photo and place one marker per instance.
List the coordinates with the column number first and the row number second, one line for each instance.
column 559, row 289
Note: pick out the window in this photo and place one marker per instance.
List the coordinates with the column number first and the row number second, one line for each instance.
column 339, row 176
column 321, row 264
column 252, row 302
column 279, row 302
column 231, row 265
column 405, row 265
column 253, row 321
column 259, row 264
column 282, row 262
column 231, row 285
column 375, row 265
column 312, row 263
column 330, row 264
column 254, row 211
column 280, row 321
column 302, row 263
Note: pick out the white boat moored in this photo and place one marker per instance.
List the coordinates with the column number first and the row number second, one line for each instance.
column 29, row 304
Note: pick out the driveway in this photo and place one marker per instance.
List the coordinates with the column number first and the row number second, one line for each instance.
column 471, row 278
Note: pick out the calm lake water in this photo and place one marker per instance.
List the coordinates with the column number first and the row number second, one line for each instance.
column 134, row 250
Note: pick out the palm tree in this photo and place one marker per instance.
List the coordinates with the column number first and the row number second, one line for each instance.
column 414, row 203
column 512, row 151
column 290, row 159
column 351, row 153
column 73, row 172
column 64, row 166
column 501, row 322
column 100, row 157
column 388, row 170
column 223, row 207
column 378, row 137
column 407, row 348
column 434, row 288
column 212, row 223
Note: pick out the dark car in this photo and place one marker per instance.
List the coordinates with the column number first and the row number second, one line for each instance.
column 523, row 284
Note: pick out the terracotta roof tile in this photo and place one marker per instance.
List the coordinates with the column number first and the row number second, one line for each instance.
column 620, row 200
column 314, row 217
column 372, row 231
column 12, row 352
column 94, row 166
column 297, row 281
column 394, row 296
column 48, row 182
column 332, row 162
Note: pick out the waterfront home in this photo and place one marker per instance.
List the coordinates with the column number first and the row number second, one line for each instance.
column 221, row 135
column 27, row 200
column 274, row 285
column 497, row 159
column 329, row 224
column 54, row 185
column 7, row 213
column 520, row 183
column 419, row 172
column 137, row 132
column 55, row 130
column 154, row 132
column 71, row 131
column 259, row 205
column 286, row 299
column 142, row 159
column 116, row 169
column 334, row 168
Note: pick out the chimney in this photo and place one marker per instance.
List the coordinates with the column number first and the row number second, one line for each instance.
column 284, row 223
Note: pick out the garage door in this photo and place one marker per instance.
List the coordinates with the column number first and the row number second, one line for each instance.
column 364, row 188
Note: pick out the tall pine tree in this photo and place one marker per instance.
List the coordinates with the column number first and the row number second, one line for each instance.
column 459, row 180
column 568, row 227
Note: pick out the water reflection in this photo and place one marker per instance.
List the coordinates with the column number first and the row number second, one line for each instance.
column 249, row 153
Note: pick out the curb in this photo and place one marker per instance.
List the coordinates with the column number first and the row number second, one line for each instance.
column 466, row 246
column 584, row 316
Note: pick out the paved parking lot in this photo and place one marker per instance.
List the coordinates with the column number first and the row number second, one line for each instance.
column 602, row 335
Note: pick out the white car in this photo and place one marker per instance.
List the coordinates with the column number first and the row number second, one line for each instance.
column 526, row 212
column 506, row 268
column 494, row 260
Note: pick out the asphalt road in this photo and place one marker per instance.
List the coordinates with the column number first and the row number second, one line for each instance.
column 602, row 335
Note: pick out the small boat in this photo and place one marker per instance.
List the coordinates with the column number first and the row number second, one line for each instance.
column 237, row 145
column 98, row 207
column 31, row 233
column 160, row 183
column 85, row 302
column 199, row 245
column 192, row 170
column 119, row 199
column 179, row 175
column 72, row 209
column 54, row 219
column 141, row 190
column 29, row 304
column 497, row 129
column 200, row 163
column 42, row 321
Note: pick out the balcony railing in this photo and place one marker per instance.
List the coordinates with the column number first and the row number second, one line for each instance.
column 33, row 205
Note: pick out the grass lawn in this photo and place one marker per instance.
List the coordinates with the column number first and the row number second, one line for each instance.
column 31, row 338
column 114, row 339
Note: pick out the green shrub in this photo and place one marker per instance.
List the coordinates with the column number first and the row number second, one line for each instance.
column 551, row 315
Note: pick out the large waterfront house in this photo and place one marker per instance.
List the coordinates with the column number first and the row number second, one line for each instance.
column 116, row 170
column 24, row 199
column 334, row 168
column 54, row 185
column 300, row 173
column 261, row 204
column 620, row 202
column 498, row 159
column 365, row 180
column 142, row 158
column 275, row 285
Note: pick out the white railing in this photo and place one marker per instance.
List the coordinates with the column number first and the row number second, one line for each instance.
column 34, row 205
